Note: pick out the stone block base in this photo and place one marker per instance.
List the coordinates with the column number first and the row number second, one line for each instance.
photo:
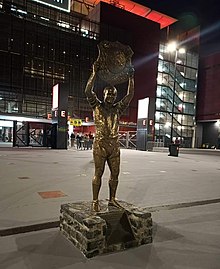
column 109, row 230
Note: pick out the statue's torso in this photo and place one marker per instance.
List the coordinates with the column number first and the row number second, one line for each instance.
column 107, row 121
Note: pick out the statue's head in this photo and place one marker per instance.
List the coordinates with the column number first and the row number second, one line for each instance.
column 110, row 94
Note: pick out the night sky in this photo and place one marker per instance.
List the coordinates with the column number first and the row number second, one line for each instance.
column 204, row 11
column 191, row 13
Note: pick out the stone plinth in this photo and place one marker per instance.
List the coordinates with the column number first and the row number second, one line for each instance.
column 109, row 230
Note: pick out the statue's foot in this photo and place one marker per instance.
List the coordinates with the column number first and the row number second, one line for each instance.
column 95, row 206
column 114, row 203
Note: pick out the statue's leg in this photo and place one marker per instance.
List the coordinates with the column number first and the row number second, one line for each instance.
column 99, row 162
column 114, row 166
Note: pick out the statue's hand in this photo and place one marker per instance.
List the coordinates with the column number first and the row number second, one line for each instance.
column 131, row 72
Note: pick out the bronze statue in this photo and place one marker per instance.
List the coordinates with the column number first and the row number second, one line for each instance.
column 106, row 146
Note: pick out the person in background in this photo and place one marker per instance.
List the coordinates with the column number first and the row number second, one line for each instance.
column 72, row 137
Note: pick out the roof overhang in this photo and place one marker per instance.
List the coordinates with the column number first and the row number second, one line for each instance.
column 143, row 11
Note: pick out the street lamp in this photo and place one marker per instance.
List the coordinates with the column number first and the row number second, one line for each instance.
column 173, row 47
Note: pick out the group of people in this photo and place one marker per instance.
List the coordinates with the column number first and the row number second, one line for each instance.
column 82, row 141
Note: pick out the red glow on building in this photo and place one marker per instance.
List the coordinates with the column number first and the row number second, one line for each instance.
column 143, row 11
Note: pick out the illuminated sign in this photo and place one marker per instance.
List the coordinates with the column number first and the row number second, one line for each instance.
column 59, row 4
column 63, row 113
column 55, row 96
column 76, row 122
column 49, row 116
column 143, row 105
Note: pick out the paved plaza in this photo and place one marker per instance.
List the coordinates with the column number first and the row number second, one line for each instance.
column 183, row 194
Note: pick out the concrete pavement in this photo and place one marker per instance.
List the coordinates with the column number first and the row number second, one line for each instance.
column 183, row 194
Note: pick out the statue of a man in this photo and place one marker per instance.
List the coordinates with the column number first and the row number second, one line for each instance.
column 106, row 144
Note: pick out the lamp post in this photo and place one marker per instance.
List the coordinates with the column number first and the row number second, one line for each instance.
column 173, row 99
column 172, row 47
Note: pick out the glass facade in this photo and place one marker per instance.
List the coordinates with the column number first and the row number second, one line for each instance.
column 176, row 96
column 40, row 47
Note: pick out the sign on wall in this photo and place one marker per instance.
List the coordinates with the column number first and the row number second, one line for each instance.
column 76, row 122
column 143, row 106
column 59, row 4
column 55, row 99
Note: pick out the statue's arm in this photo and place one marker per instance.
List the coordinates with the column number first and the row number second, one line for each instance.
column 130, row 91
column 91, row 82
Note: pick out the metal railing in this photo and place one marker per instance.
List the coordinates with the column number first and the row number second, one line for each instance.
column 128, row 139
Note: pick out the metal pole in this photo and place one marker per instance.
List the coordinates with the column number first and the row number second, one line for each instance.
column 174, row 93
column 127, row 140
